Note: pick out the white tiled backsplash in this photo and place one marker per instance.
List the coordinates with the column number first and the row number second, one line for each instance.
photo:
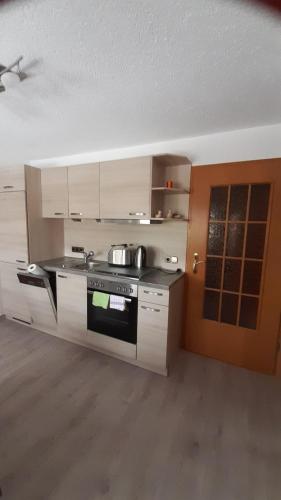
column 161, row 241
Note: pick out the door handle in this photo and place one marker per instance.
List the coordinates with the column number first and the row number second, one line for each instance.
column 195, row 262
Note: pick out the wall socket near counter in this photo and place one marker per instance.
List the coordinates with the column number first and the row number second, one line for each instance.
column 172, row 260
column 78, row 249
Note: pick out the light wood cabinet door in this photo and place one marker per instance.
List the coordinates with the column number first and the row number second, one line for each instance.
column 84, row 191
column 125, row 189
column 152, row 335
column 71, row 305
column 14, row 303
column 13, row 228
column 54, row 192
column 12, row 179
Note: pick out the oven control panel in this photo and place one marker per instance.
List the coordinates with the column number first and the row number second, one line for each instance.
column 127, row 289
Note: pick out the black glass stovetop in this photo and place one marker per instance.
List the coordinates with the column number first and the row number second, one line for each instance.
column 125, row 272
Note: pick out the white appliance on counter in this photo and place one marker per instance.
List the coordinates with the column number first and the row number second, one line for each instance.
column 40, row 293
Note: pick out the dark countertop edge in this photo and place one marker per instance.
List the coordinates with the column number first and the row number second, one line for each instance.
column 159, row 279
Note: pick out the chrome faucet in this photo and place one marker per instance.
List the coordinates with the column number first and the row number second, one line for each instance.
column 88, row 256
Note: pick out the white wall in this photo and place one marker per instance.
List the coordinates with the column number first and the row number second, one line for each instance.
column 238, row 145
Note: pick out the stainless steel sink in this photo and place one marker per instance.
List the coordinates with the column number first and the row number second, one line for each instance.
column 86, row 266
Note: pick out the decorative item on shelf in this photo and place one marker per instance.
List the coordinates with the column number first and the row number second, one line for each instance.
column 169, row 184
column 169, row 214
column 178, row 216
column 159, row 214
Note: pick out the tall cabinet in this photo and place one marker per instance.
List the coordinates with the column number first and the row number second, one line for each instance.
column 25, row 236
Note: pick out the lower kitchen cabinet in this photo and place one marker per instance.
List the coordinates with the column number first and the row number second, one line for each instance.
column 14, row 303
column 72, row 305
column 152, row 335
column 160, row 315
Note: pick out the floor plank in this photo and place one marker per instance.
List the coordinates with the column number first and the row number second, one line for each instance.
column 77, row 425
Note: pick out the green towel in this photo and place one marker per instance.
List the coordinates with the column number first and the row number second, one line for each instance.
column 100, row 299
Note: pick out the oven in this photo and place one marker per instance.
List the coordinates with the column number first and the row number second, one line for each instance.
column 116, row 323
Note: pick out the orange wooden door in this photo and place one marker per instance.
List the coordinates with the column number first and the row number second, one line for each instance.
column 234, row 295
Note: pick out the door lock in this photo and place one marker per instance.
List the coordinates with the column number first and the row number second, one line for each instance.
column 196, row 261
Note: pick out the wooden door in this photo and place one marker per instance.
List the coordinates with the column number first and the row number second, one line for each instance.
column 14, row 302
column 54, row 192
column 13, row 228
column 12, row 179
column 71, row 305
column 84, row 188
column 125, row 189
column 233, row 298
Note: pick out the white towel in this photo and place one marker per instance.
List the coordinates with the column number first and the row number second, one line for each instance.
column 117, row 302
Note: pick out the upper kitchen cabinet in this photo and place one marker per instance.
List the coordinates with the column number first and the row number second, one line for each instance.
column 84, row 193
column 125, row 189
column 54, row 192
column 12, row 179
column 13, row 228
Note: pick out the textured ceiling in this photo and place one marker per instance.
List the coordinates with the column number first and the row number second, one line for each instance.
column 113, row 73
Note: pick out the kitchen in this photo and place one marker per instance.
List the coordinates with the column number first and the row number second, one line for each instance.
column 74, row 298
column 140, row 236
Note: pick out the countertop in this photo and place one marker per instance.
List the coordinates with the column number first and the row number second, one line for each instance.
column 155, row 278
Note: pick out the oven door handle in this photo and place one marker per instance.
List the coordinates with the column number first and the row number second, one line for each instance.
column 91, row 293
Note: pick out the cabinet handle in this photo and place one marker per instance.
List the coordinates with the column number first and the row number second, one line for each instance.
column 137, row 213
column 61, row 276
column 20, row 261
column 59, row 213
column 153, row 293
column 21, row 269
column 150, row 309
column 76, row 213
column 8, row 187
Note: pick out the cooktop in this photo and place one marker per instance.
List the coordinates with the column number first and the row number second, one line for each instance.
column 125, row 272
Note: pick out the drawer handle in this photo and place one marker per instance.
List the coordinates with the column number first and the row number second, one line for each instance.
column 150, row 309
column 61, row 276
column 76, row 213
column 8, row 187
column 59, row 213
column 153, row 293
column 21, row 320
column 20, row 261
column 137, row 213
column 21, row 269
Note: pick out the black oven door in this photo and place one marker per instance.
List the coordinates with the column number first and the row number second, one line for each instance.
column 117, row 324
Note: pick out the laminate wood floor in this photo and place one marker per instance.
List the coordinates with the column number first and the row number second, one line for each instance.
column 77, row 425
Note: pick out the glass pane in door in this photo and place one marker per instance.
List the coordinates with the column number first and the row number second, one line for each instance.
column 237, row 231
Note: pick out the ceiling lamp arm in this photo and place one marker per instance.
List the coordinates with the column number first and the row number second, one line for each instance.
column 11, row 66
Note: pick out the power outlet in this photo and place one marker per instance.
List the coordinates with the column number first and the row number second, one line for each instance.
column 172, row 260
column 77, row 249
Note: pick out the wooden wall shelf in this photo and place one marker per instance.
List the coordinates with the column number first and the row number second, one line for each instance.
column 166, row 190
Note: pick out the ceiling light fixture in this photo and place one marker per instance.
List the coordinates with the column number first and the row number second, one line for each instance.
column 8, row 74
